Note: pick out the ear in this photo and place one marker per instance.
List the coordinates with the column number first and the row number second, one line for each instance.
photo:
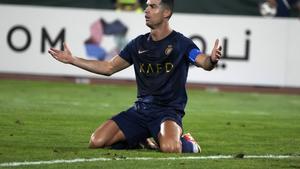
column 167, row 13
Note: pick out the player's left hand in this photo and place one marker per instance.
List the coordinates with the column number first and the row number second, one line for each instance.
column 216, row 53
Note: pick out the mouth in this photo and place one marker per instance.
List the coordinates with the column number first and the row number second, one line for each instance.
column 147, row 18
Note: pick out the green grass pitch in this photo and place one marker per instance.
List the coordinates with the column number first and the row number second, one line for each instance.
column 44, row 121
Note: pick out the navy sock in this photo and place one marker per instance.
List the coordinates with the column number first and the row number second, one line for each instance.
column 187, row 146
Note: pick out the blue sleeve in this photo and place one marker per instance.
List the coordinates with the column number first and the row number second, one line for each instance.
column 193, row 55
column 128, row 52
column 192, row 52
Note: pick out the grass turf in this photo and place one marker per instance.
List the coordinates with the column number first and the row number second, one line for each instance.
column 49, row 121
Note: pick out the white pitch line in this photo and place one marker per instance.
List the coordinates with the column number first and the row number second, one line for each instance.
column 27, row 163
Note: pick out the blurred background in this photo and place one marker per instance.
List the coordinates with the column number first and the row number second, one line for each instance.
column 260, row 38
column 287, row 8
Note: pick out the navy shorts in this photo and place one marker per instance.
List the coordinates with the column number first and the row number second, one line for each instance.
column 143, row 120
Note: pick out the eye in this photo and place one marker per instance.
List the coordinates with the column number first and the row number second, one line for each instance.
column 152, row 6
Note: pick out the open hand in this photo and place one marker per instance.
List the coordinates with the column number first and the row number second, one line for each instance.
column 64, row 56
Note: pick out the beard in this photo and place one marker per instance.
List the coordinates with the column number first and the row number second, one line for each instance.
column 150, row 26
column 153, row 25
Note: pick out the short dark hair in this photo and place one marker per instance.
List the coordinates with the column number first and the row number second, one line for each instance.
column 169, row 4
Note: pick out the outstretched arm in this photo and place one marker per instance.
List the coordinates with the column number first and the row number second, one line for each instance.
column 106, row 68
column 209, row 62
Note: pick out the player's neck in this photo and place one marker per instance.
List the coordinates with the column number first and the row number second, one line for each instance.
column 161, row 32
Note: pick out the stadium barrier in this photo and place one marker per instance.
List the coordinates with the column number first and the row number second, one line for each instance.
column 257, row 51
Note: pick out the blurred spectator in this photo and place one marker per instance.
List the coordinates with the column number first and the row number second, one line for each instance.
column 128, row 5
column 268, row 8
column 277, row 8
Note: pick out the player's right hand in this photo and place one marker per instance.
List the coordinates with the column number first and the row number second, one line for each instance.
column 64, row 56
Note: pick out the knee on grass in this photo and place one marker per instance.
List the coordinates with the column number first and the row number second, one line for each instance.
column 174, row 147
column 97, row 142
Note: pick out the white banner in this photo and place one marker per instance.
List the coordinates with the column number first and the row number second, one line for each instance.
column 257, row 51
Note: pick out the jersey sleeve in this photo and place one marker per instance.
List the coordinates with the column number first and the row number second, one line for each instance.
column 192, row 51
column 128, row 52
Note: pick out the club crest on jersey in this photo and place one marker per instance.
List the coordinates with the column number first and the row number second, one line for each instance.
column 169, row 50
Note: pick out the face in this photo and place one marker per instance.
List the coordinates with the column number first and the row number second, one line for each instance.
column 155, row 13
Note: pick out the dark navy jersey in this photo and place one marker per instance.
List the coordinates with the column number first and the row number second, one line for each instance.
column 161, row 68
